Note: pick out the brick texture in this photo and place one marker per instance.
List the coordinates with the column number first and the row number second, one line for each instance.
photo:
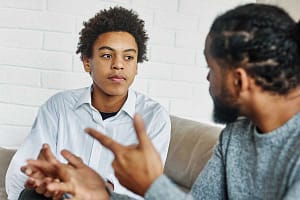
column 38, row 40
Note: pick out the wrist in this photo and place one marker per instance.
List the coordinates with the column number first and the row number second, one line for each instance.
column 147, row 185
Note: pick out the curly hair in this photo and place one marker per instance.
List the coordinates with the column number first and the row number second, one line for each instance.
column 264, row 37
column 113, row 19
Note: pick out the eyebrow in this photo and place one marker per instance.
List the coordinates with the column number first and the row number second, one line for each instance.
column 111, row 49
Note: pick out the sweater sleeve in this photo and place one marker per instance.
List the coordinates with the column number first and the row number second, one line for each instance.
column 212, row 178
column 293, row 191
column 211, row 182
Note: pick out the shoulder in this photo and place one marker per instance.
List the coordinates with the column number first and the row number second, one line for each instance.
column 67, row 94
column 153, row 113
column 237, row 130
column 145, row 104
column 239, row 125
column 64, row 98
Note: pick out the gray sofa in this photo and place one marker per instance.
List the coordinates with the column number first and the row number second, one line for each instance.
column 5, row 156
column 191, row 146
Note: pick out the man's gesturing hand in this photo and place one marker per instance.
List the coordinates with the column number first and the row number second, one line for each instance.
column 136, row 166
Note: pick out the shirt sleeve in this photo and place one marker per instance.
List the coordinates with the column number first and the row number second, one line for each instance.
column 160, row 133
column 43, row 131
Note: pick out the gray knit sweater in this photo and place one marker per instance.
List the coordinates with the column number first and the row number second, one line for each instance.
column 245, row 165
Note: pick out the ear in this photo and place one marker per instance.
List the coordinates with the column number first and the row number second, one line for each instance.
column 241, row 81
column 86, row 64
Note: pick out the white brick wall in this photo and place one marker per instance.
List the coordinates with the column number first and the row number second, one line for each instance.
column 38, row 39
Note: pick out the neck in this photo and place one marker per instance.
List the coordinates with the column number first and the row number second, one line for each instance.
column 273, row 111
column 107, row 103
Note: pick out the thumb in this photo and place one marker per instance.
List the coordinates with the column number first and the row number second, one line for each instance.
column 61, row 187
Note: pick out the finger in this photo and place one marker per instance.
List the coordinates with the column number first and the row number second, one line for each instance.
column 45, row 167
column 73, row 160
column 115, row 165
column 41, row 189
column 47, row 153
column 105, row 141
column 61, row 187
column 48, row 193
column 30, row 183
column 41, row 154
column 141, row 132
column 26, row 170
column 57, row 195
column 31, row 171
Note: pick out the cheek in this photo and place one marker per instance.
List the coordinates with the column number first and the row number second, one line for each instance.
column 132, row 70
column 211, row 79
column 213, row 85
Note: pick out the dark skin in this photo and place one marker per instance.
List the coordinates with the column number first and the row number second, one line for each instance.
column 72, row 176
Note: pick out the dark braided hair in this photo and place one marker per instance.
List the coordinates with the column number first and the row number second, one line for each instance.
column 113, row 19
column 264, row 40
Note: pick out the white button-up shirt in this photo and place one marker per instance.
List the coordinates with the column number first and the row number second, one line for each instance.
column 61, row 122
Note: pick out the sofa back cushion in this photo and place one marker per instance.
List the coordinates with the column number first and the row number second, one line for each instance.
column 191, row 146
column 5, row 157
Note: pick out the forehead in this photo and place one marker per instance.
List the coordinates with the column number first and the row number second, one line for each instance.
column 208, row 42
column 116, row 40
column 212, row 62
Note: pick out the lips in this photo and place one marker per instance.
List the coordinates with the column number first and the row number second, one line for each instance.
column 117, row 78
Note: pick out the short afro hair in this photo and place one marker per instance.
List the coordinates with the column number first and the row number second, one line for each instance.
column 110, row 20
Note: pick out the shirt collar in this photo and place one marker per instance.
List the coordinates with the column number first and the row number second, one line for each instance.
column 85, row 97
column 128, row 107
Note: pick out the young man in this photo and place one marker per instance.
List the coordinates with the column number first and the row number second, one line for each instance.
column 111, row 44
column 253, row 54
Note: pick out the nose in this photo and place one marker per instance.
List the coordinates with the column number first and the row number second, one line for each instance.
column 118, row 63
column 207, row 76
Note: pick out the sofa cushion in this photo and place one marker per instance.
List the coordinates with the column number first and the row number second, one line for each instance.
column 5, row 157
column 191, row 147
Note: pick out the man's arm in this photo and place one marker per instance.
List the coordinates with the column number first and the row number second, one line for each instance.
column 159, row 131
column 293, row 191
column 136, row 167
column 139, row 169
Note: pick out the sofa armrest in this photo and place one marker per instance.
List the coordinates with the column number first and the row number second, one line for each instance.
column 5, row 157
column 190, row 148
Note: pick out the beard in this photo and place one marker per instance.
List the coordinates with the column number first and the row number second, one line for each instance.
column 224, row 112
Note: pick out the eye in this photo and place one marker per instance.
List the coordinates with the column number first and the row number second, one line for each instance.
column 129, row 57
column 106, row 56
